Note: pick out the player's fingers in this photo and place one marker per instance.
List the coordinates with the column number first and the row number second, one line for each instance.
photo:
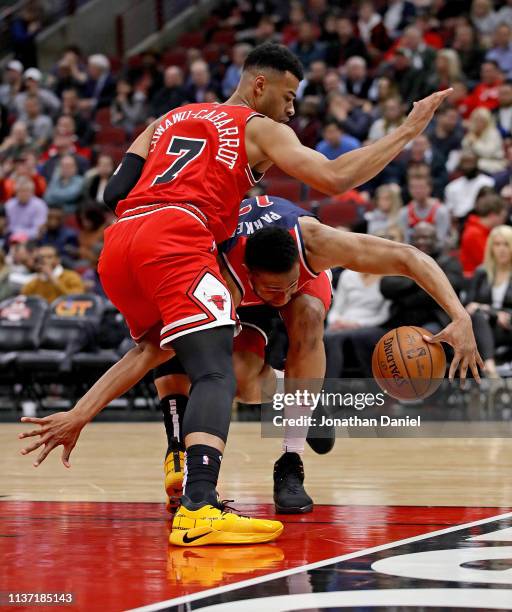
column 33, row 446
column 474, row 369
column 66, row 452
column 453, row 367
column 34, row 432
column 42, row 456
column 439, row 96
column 463, row 372
column 34, row 420
column 440, row 337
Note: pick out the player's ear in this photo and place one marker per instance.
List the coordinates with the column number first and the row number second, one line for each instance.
column 260, row 83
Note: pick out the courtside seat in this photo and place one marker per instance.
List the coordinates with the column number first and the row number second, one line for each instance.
column 70, row 327
column 108, row 347
column 91, row 365
column 21, row 320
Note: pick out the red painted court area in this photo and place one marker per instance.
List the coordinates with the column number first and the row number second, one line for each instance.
column 115, row 556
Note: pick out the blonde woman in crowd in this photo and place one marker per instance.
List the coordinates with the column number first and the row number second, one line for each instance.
column 388, row 202
column 485, row 141
column 490, row 297
column 383, row 89
column 447, row 70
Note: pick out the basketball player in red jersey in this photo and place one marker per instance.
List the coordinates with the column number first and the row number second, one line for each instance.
column 159, row 266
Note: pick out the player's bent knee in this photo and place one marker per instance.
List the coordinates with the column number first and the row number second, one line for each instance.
column 218, row 380
column 247, row 367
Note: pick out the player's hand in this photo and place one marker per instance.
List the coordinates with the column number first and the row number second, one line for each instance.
column 61, row 428
column 459, row 335
column 423, row 111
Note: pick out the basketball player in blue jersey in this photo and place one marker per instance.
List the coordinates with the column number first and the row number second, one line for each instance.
column 275, row 265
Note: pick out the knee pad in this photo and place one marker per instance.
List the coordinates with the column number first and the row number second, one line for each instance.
column 172, row 366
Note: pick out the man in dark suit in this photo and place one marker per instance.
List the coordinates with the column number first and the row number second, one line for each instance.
column 100, row 87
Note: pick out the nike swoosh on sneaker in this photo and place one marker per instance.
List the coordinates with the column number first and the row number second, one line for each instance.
column 188, row 540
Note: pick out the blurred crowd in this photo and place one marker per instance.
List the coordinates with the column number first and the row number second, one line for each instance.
column 450, row 192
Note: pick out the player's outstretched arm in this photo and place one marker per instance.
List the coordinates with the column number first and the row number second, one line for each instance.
column 327, row 248
column 280, row 144
column 63, row 428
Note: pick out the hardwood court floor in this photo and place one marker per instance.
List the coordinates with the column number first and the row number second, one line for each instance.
column 123, row 462
column 99, row 530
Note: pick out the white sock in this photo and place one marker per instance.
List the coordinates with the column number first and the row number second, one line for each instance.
column 295, row 436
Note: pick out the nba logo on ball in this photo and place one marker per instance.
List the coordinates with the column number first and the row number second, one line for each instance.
column 405, row 366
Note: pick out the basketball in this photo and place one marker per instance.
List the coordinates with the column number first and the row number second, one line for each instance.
column 405, row 366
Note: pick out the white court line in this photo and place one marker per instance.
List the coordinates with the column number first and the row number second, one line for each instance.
column 360, row 553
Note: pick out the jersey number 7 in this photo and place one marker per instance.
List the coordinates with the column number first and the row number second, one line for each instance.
column 187, row 149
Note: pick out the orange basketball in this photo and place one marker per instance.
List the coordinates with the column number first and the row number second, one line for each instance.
column 407, row 367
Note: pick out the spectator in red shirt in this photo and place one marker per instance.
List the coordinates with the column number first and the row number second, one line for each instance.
column 490, row 212
column 486, row 92
column 25, row 166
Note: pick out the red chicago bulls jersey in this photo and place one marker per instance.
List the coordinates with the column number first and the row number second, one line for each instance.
column 197, row 157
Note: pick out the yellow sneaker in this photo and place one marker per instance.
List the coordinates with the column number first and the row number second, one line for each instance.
column 173, row 469
column 208, row 567
column 199, row 524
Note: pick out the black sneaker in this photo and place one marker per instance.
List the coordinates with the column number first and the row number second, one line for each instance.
column 290, row 496
column 321, row 438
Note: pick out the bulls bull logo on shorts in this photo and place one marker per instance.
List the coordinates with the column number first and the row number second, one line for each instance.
column 217, row 299
column 214, row 297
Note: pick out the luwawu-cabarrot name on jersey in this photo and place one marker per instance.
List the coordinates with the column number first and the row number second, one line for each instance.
column 227, row 153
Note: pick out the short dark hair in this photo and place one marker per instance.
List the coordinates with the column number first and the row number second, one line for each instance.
column 276, row 57
column 488, row 204
column 493, row 62
column 331, row 121
column 271, row 249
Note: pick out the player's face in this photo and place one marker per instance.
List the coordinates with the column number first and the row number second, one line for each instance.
column 275, row 289
column 275, row 94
